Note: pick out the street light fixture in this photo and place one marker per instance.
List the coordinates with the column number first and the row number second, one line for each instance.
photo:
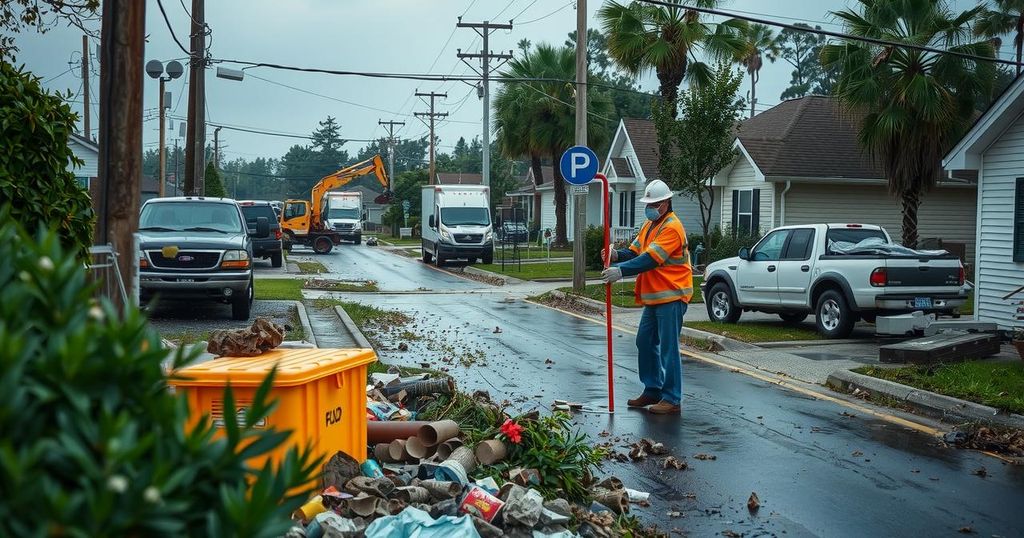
column 173, row 70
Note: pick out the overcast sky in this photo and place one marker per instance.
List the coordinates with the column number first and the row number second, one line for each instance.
column 414, row 36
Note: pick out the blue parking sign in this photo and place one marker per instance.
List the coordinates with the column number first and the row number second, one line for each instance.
column 578, row 165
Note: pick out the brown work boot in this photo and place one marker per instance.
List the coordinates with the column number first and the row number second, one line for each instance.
column 664, row 408
column 641, row 401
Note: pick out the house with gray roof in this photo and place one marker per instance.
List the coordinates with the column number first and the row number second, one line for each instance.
column 800, row 163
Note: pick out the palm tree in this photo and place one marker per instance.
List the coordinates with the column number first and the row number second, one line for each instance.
column 644, row 37
column 915, row 105
column 1002, row 17
column 761, row 44
column 543, row 113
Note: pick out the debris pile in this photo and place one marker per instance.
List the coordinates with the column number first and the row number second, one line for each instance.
column 1002, row 441
column 257, row 339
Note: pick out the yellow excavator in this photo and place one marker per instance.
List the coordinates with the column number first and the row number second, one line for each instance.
column 303, row 220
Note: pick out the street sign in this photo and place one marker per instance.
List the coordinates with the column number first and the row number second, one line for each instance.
column 580, row 189
column 578, row 165
column 406, row 205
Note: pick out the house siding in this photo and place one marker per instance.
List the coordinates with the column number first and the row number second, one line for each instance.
column 948, row 213
column 997, row 274
column 743, row 177
column 547, row 211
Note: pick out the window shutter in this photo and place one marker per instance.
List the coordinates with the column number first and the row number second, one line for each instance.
column 1018, row 222
column 632, row 209
column 755, row 212
column 734, row 223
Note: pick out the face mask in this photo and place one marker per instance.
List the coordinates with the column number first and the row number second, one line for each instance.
column 652, row 213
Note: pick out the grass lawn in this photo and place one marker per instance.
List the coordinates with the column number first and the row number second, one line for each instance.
column 406, row 241
column 757, row 331
column 536, row 253
column 533, row 271
column 622, row 293
column 998, row 384
column 311, row 268
column 332, row 285
column 282, row 289
column 968, row 308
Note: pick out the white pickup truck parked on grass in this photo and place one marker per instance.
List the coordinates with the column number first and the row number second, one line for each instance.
column 838, row 272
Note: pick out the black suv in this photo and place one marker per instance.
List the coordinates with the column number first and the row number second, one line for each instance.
column 197, row 248
column 268, row 246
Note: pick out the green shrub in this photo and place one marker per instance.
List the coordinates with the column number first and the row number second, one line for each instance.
column 94, row 443
column 594, row 243
column 213, row 186
column 725, row 245
column 35, row 127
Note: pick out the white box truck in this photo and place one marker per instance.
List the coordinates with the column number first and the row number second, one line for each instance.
column 343, row 213
column 457, row 224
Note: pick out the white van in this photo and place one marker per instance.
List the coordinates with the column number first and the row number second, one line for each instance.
column 457, row 223
column 343, row 213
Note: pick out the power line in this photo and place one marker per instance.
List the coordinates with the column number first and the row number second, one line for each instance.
column 167, row 21
column 528, row 6
column 829, row 33
column 548, row 15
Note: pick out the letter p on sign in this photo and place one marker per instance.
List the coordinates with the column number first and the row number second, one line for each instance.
column 578, row 165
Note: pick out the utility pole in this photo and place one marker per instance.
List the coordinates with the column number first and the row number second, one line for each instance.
column 163, row 152
column 177, row 178
column 85, row 86
column 195, row 143
column 390, row 126
column 432, row 116
column 579, row 235
column 485, row 55
column 216, row 147
column 120, row 134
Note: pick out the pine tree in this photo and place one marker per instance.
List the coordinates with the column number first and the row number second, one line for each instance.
column 214, row 186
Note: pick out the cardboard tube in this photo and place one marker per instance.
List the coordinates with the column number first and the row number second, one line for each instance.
column 417, row 450
column 491, row 451
column 445, row 449
column 413, row 494
column 398, row 451
column 382, row 453
column 465, row 457
column 616, row 500
column 363, row 506
column 433, row 433
column 441, row 490
column 387, row 431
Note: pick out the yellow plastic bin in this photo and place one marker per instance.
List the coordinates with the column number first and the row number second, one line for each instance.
column 321, row 395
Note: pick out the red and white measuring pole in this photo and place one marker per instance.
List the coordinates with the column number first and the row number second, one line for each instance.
column 608, row 290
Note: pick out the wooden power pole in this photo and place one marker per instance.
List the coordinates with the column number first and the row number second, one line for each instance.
column 431, row 117
column 195, row 142
column 579, row 235
column 120, row 138
column 87, row 132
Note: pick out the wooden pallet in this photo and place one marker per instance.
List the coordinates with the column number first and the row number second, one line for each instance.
column 941, row 348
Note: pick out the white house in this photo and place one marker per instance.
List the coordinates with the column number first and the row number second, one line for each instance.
column 994, row 148
column 89, row 152
column 800, row 163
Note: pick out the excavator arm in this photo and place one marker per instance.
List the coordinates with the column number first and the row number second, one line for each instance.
column 345, row 176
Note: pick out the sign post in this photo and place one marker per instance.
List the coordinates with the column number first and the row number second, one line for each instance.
column 579, row 167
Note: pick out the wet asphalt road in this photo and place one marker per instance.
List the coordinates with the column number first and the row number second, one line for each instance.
column 817, row 471
column 392, row 272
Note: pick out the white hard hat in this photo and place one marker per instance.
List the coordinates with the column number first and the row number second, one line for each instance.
column 656, row 191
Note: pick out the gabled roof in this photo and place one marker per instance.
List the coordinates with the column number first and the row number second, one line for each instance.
column 644, row 139
column 622, row 167
column 966, row 155
column 459, row 178
column 547, row 172
column 89, row 144
column 810, row 137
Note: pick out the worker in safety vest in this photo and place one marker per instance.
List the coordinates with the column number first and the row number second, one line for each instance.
column 660, row 259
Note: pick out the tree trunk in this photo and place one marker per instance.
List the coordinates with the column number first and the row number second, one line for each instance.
column 538, row 180
column 561, row 238
column 911, row 200
column 753, row 92
column 705, row 215
column 668, row 87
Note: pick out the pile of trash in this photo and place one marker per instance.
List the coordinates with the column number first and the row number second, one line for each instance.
column 262, row 336
column 418, row 480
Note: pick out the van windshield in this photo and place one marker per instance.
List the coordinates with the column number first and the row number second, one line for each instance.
column 343, row 213
column 190, row 216
column 465, row 216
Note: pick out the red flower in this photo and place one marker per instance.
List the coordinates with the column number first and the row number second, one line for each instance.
column 513, row 431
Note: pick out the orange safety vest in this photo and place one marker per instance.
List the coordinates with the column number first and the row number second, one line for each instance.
column 672, row 280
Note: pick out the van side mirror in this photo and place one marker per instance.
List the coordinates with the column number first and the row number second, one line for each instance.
column 431, row 222
column 744, row 253
column 262, row 227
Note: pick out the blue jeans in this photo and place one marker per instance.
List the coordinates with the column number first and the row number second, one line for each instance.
column 657, row 345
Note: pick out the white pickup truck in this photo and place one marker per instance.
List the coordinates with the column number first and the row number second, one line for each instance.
column 838, row 272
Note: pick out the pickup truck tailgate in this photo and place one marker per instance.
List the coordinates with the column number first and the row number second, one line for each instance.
column 922, row 272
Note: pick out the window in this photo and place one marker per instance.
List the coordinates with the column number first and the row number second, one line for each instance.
column 465, row 216
column 83, row 181
column 770, row 248
column 292, row 211
column 746, row 204
column 190, row 216
column 1018, row 221
column 627, row 208
column 800, row 243
column 850, row 235
column 632, row 209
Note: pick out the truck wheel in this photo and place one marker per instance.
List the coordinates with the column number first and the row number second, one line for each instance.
column 241, row 305
column 439, row 260
column 793, row 317
column 276, row 259
column 359, row 239
column 322, row 244
column 427, row 257
column 833, row 316
column 720, row 306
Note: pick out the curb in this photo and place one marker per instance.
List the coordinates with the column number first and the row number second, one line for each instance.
column 304, row 320
column 353, row 329
column 722, row 343
column 944, row 408
column 808, row 343
column 481, row 272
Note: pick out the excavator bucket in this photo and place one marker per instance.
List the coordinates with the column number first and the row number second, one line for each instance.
column 384, row 198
